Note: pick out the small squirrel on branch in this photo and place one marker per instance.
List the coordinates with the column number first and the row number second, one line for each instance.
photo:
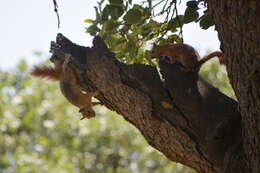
column 63, row 73
column 184, row 53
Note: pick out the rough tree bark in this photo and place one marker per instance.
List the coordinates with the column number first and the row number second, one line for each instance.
column 238, row 26
column 201, row 126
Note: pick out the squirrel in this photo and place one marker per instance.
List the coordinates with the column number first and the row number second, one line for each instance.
column 63, row 73
column 184, row 53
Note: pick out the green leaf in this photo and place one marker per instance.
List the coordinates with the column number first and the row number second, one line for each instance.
column 97, row 14
column 146, row 13
column 190, row 15
column 88, row 21
column 206, row 21
column 92, row 30
column 139, row 7
column 116, row 1
column 133, row 16
column 115, row 11
column 176, row 23
column 104, row 14
column 173, row 38
column 110, row 25
column 192, row 4
column 146, row 29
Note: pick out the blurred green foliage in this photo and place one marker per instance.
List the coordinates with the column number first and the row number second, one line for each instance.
column 129, row 27
column 216, row 75
column 41, row 132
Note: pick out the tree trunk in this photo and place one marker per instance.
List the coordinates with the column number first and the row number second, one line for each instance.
column 184, row 117
column 238, row 26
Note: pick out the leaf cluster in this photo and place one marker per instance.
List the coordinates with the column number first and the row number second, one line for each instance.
column 192, row 14
column 128, row 28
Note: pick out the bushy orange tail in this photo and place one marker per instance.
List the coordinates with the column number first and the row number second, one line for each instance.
column 212, row 55
column 46, row 72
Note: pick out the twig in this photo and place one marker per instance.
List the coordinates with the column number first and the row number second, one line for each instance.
column 56, row 11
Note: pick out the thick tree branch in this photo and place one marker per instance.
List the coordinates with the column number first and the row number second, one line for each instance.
column 201, row 126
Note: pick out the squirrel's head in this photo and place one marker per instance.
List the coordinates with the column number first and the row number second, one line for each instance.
column 87, row 113
column 155, row 52
column 57, row 61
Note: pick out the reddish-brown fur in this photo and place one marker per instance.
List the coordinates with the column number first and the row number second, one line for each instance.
column 61, row 72
column 186, row 54
column 46, row 72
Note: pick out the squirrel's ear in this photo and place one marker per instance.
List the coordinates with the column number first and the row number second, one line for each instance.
column 154, row 44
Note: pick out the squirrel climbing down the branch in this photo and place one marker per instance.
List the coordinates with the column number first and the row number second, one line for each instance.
column 186, row 54
column 63, row 73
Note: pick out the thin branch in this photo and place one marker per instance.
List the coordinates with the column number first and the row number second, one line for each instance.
column 178, row 19
column 56, row 11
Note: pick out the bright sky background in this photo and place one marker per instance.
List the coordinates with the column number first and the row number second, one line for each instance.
column 29, row 25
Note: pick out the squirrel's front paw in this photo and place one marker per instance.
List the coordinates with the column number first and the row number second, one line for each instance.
column 86, row 113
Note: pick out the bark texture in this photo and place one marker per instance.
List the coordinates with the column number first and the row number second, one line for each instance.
column 196, row 127
column 238, row 26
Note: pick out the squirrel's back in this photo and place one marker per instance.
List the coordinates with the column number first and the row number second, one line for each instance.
column 186, row 54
